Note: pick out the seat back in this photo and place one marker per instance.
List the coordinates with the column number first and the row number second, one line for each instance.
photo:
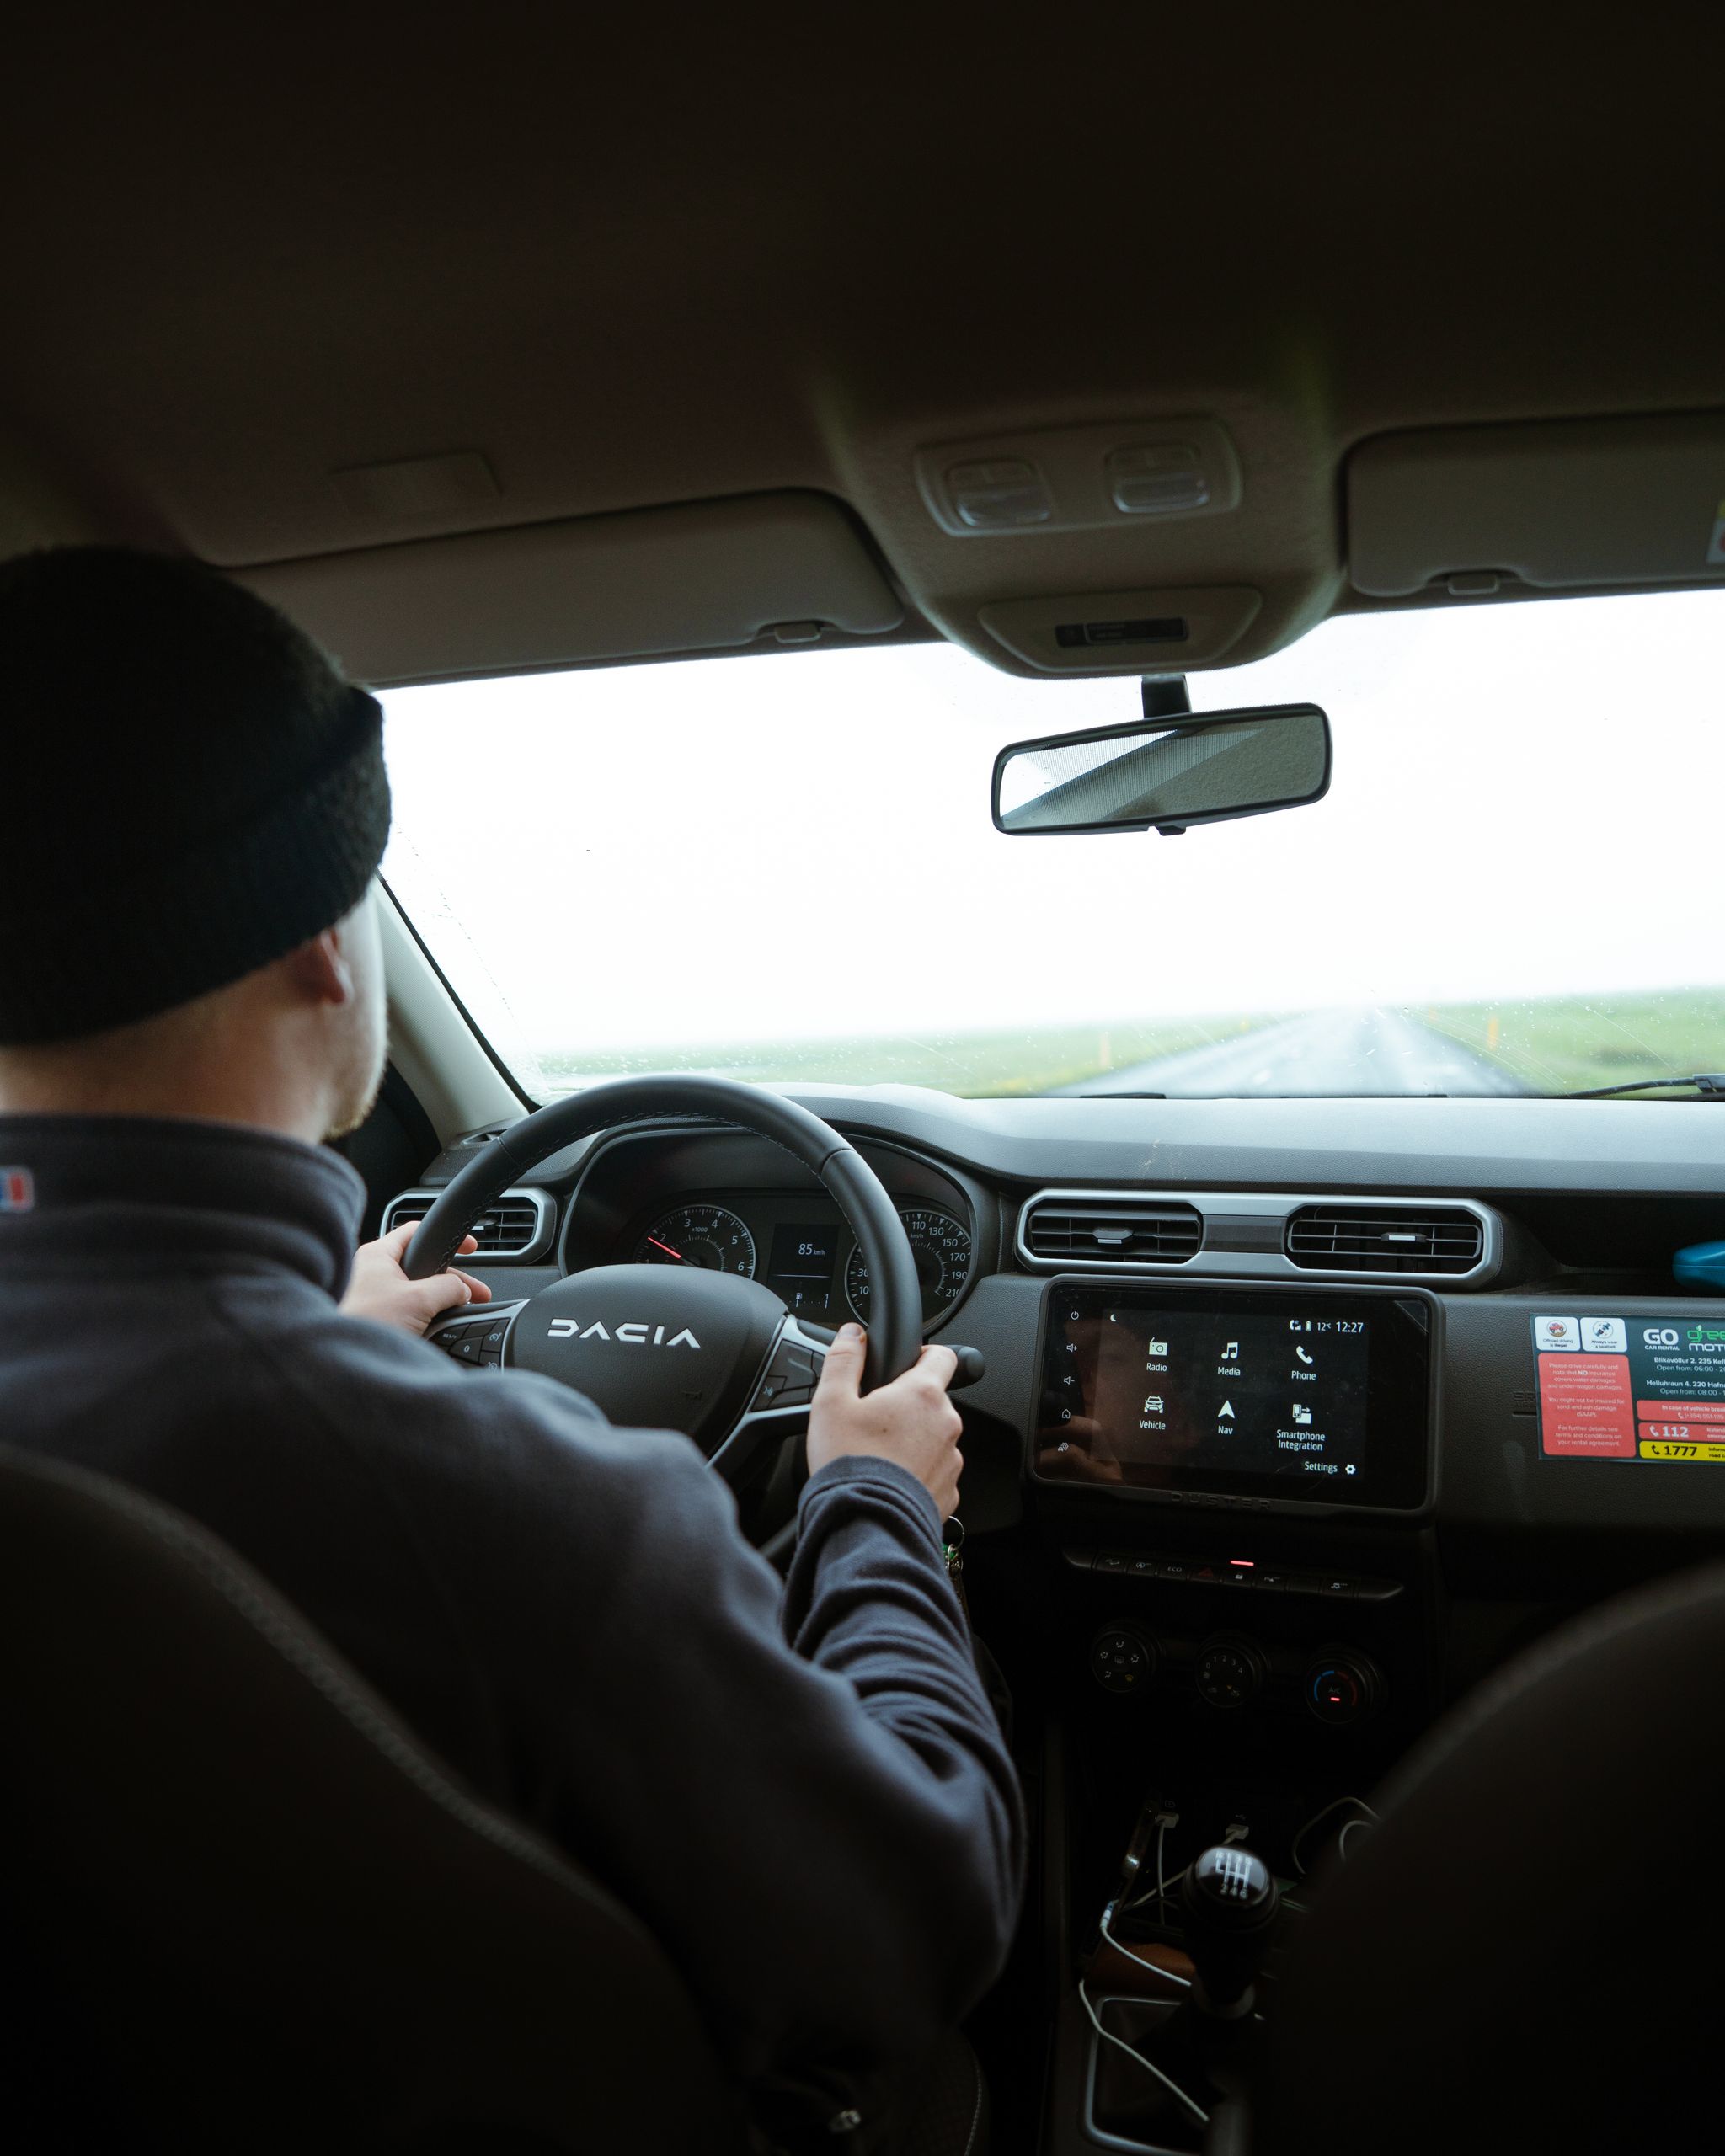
column 1524, row 1955
column 257, row 1913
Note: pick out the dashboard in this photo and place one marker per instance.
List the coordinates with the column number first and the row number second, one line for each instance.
column 1425, row 1242
column 1372, row 1389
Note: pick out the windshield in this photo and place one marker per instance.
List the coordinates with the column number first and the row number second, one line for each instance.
column 783, row 867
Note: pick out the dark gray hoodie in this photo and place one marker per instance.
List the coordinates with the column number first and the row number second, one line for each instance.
column 801, row 1790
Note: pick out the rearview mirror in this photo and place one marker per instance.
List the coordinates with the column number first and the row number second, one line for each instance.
column 1166, row 773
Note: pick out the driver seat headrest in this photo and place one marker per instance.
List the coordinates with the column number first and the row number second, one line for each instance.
column 276, row 1921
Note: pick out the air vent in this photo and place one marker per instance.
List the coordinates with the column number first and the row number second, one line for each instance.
column 1111, row 1232
column 1385, row 1238
column 517, row 1224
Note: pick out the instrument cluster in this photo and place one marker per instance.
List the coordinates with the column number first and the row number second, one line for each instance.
column 801, row 1249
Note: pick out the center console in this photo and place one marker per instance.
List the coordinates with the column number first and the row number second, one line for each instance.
column 1234, row 1487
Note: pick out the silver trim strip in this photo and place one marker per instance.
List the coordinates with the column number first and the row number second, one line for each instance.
column 537, row 1246
column 1206, row 1263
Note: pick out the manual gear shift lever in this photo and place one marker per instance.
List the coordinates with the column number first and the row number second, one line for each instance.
column 1230, row 1902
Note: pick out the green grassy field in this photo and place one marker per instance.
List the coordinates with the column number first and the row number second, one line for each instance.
column 1559, row 1045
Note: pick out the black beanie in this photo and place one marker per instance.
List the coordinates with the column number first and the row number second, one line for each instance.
column 191, row 789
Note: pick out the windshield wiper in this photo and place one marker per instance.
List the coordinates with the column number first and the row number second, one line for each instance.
column 1709, row 1084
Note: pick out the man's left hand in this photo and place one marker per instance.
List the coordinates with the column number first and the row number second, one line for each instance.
column 380, row 1290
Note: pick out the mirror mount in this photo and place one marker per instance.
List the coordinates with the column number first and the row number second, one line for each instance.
column 1165, row 696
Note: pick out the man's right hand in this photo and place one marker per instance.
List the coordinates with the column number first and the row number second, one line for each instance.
column 910, row 1421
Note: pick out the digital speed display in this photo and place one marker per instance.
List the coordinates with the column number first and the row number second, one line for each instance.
column 1612, row 1387
column 1317, row 1398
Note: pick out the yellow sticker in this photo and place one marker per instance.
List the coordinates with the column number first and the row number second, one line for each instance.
column 1680, row 1448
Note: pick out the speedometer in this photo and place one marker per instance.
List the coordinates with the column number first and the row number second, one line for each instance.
column 709, row 1238
column 940, row 1242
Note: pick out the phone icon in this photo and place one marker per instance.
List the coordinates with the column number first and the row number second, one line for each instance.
column 1304, row 1356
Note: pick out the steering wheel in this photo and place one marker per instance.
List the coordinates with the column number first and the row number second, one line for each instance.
column 677, row 1347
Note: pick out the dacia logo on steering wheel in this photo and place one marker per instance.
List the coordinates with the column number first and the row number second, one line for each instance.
column 632, row 1335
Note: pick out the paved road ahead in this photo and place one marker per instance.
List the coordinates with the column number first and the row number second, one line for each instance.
column 1328, row 1052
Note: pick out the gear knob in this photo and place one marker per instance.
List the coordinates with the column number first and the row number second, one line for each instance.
column 1231, row 1901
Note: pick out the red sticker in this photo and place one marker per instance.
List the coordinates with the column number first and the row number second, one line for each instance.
column 1586, row 1409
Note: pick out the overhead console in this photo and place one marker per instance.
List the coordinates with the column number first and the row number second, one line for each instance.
column 1291, row 1398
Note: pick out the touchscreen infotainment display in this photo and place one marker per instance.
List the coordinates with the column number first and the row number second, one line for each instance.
column 1317, row 1397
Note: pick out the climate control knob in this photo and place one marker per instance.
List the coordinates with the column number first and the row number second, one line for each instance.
column 1229, row 1671
column 1342, row 1686
column 1123, row 1659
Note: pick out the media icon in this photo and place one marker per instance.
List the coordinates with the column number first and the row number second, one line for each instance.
column 1302, row 1416
column 1231, row 1353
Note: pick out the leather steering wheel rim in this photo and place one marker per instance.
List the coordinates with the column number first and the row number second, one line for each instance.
column 895, row 1318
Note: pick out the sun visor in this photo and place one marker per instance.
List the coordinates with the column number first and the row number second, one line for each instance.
column 707, row 576
column 1593, row 502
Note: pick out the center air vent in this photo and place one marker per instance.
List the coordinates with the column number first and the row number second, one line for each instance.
column 1385, row 1238
column 517, row 1224
column 1111, row 1232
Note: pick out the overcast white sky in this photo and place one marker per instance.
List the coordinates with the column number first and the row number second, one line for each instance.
column 1525, row 802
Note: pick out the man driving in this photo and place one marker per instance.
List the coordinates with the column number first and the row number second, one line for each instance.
column 800, row 1788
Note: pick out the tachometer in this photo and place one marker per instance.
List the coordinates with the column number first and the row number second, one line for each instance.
column 710, row 1238
column 941, row 1245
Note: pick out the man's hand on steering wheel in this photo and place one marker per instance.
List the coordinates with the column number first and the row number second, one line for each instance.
column 910, row 1421
column 379, row 1289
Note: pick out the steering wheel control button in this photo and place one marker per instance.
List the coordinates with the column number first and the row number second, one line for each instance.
column 1123, row 1660
column 1342, row 1686
column 1229, row 1673
column 790, row 1377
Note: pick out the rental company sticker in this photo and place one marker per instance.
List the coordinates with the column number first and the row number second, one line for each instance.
column 18, row 1190
column 1631, row 1388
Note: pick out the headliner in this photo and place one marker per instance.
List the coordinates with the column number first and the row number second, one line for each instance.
column 653, row 265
